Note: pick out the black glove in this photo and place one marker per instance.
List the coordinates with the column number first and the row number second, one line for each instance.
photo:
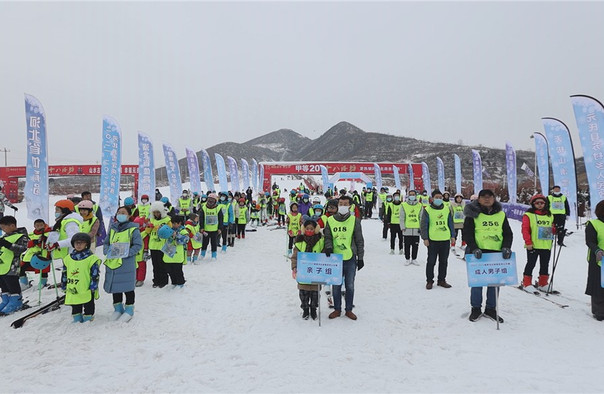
column 477, row 253
column 5, row 243
column 360, row 264
column 15, row 209
column 506, row 253
column 328, row 252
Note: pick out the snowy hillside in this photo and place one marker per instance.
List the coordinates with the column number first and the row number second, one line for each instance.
column 236, row 327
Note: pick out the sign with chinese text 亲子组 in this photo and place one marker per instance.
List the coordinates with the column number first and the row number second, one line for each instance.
column 318, row 268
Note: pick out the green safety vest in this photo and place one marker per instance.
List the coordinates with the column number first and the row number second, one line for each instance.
column 412, row 212
column 356, row 199
column 78, row 291
column 369, row 196
column 294, row 222
column 395, row 213
column 155, row 242
column 383, row 196
column 141, row 253
column 599, row 227
column 242, row 219
column 424, row 200
column 29, row 253
column 180, row 255
column 458, row 216
column 6, row 254
column 86, row 225
column 447, row 205
column 489, row 231
column 194, row 230
column 225, row 212
column 557, row 204
column 211, row 218
column 62, row 252
column 184, row 204
column 438, row 229
column 124, row 236
column 342, row 233
column 318, row 248
column 143, row 210
column 541, row 230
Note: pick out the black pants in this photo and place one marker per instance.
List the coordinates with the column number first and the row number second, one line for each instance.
column 211, row 238
column 224, row 233
column 309, row 298
column 174, row 270
column 281, row 220
column 159, row 273
column 10, row 284
column 385, row 228
column 118, row 297
column 88, row 307
column 241, row 229
column 440, row 250
column 411, row 246
column 395, row 230
column 368, row 209
column 290, row 244
column 531, row 261
column 560, row 222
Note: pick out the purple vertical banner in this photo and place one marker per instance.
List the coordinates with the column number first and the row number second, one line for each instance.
column 563, row 160
column 378, row 176
column 589, row 114
column 193, row 165
column 254, row 175
column 245, row 174
column 426, row 178
column 234, row 172
column 510, row 162
column 457, row 174
column 173, row 173
column 221, row 169
column 146, row 167
column 440, row 172
column 397, row 177
column 111, row 163
column 411, row 179
column 36, row 171
column 208, row 177
column 477, row 171
column 542, row 152
column 261, row 177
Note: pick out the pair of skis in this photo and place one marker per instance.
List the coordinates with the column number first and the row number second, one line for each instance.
column 538, row 294
column 51, row 306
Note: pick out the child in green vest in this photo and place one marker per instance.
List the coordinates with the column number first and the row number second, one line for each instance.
column 293, row 222
column 36, row 245
column 80, row 278
column 310, row 241
column 173, row 262
column 12, row 243
column 195, row 238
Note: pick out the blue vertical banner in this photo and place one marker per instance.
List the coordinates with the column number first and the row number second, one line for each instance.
column 324, row 178
column 245, row 174
column 36, row 171
column 208, row 177
column 457, row 174
column 589, row 114
column 440, row 172
column 261, row 178
column 234, row 172
column 173, row 173
column 397, row 177
column 542, row 153
column 111, row 162
column 193, row 166
column 222, row 176
column 510, row 164
column 563, row 160
column 254, row 175
column 378, row 176
column 477, row 171
column 411, row 179
column 146, row 167
column 426, row 178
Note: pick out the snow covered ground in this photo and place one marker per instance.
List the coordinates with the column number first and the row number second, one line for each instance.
column 236, row 327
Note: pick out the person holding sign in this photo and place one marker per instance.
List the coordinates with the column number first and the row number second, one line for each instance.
column 121, row 247
column 594, row 238
column 486, row 230
column 537, row 230
column 309, row 241
column 436, row 229
column 344, row 235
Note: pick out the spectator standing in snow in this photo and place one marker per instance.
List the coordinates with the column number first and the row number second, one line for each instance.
column 594, row 238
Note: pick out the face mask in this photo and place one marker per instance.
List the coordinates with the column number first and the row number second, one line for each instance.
column 144, row 201
column 389, row 199
column 411, row 198
column 309, row 233
column 557, row 194
column 397, row 198
column 121, row 218
column 438, row 202
column 230, row 199
column 222, row 198
column 58, row 215
column 343, row 210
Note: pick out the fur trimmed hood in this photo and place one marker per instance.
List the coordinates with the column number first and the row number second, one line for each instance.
column 160, row 207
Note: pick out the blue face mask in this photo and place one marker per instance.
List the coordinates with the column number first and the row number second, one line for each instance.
column 411, row 198
column 397, row 198
column 121, row 218
column 438, row 202
column 58, row 214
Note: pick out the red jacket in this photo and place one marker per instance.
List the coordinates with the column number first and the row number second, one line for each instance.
column 526, row 227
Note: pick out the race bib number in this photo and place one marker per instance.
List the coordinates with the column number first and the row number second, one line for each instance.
column 558, row 205
column 458, row 215
column 211, row 219
column 545, row 233
column 118, row 250
column 169, row 249
column 198, row 237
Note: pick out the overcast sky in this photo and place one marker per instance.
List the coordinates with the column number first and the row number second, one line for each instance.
column 198, row 74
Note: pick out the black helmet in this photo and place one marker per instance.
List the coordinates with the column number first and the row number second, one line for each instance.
column 81, row 237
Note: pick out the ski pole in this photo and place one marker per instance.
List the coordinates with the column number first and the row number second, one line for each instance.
column 54, row 277
column 40, row 288
column 556, row 255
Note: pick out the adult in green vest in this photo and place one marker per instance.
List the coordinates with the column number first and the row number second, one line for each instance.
column 436, row 229
column 122, row 244
column 538, row 233
column 67, row 224
column 344, row 235
column 457, row 206
column 80, row 279
column 594, row 238
column 184, row 203
column 369, row 196
column 486, row 230
column 90, row 223
column 385, row 224
column 558, row 205
column 409, row 223
column 310, row 241
column 210, row 218
column 382, row 197
column 13, row 242
column 393, row 218
column 159, row 217
column 424, row 199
